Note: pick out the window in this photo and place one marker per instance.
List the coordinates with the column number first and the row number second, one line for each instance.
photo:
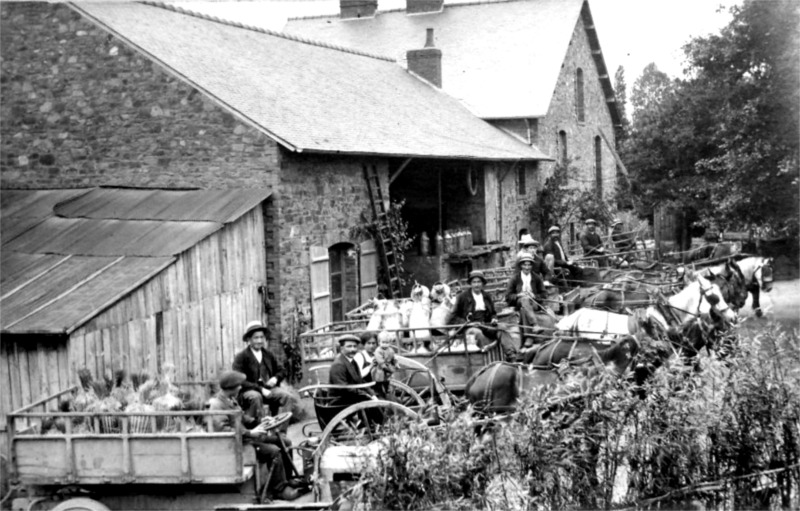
column 521, row 184
column 562, row 147
column 579, row 102
column 598, row 166
column 344, row 279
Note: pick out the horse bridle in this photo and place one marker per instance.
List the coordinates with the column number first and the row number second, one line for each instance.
column 703, row 295
column 765, row 261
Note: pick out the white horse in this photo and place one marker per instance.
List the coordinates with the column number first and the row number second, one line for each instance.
column 699, row 297
column 757, row 273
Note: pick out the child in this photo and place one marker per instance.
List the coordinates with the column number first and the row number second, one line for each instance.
column 385, row 363
column 366, row 356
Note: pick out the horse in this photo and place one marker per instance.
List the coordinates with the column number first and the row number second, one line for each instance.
column 731, row 281
column 579, row 351
column 757, row 273
column 497, row 387
column 700, row 296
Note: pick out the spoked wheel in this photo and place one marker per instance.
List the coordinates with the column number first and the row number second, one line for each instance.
column 434, row 391
column 344, row 444
column 402, row 394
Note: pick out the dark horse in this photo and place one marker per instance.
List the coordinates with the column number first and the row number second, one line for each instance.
column 496, row 387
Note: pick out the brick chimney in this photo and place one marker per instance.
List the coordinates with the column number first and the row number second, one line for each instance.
column 420, row 6
column 427, row 62
column 357, row 8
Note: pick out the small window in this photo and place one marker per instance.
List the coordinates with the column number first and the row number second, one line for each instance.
column 521, row 184
column 598, row 166
column 579, row 101
column 562, row 147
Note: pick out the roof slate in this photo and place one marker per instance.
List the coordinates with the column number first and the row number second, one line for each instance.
column 502, row 59
column 57, row 272
column 309, row 96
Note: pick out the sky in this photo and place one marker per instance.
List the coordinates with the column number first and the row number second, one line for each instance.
column 633, row 33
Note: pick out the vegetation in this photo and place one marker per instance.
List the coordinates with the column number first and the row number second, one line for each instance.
column 724, row 436
column 369, row 228
column 725, row 139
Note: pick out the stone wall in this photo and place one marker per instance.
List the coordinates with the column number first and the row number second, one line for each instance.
column 311, row 210
column 79, row 108
column 562, row 115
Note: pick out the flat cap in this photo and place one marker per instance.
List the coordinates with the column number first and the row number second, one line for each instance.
column 231, row 379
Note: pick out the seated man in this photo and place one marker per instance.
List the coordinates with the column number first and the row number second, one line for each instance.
column 624, row 243
column 474, row 305
column 230, row 383
column 345, row 371
column 262, row 373
column 556, row 256
column 592, row 244
column 531, row 246
column 525, row 293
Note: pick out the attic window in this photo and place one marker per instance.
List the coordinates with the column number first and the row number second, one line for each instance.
column 579, row 101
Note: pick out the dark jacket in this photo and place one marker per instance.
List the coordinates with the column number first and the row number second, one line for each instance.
column 245, row 362
column 465, row 305
column 541, row 268
column 623, row 242
column 343, row 372
column 515, row 287
column 590, row 242
column 551, row 248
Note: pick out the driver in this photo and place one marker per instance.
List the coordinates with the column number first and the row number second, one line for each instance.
column 556, row 256
column 525, row 293
column 592, row 244
column 230, row 383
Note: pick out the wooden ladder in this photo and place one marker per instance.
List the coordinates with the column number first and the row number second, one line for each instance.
column 386, row 247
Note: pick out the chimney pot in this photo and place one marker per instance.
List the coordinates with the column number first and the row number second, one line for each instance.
column 426, row 62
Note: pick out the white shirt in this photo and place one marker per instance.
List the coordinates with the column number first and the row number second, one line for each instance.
column 257, row 354
column 526, row 283
column 363, row 359
column 479, row 304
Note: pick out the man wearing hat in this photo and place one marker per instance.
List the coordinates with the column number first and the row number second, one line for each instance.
column 262, row 372
column 528, row 245
column 591, row 243
column 230, row 383
column 558, row 256
column 525, row 291
column 345, row 371
column 623, row 242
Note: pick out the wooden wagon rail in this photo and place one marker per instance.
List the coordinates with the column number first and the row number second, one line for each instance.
column 96, row 455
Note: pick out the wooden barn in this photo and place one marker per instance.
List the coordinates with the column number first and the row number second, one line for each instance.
column 112, row 278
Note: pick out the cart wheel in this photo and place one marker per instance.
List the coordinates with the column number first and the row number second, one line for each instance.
column 355, row 425
column 401, row 393
column 81, row 504
column 442, row 394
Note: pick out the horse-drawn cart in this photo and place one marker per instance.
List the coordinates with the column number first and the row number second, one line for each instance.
column 100, row 461
column 450, row 359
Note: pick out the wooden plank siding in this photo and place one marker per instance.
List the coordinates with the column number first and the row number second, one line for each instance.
column 205, row 298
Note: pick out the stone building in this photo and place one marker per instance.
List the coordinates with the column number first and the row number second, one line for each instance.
column 103, row 98
column 533, row 68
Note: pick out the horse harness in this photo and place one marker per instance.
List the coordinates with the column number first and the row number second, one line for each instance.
column 555, row 342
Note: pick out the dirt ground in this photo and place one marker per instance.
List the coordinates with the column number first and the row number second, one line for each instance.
column 782, row 304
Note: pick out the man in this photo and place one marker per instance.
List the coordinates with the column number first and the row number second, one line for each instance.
column 474, row 305
column 556, row 256
column 263, row 375
column 525, row 293
column 592, row 244
column 345, row 371
column 230, row 383
column 623, row 242
column 531, row 246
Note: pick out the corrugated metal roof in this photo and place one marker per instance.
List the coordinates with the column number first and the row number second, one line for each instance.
column 310, row 96
column 221, row 206
column 59, row 271
column 502, row 59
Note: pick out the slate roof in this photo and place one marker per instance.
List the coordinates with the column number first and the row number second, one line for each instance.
column 308, row 96
column 502, row 59
column 69, row 254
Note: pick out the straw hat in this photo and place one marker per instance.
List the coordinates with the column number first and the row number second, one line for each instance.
column 523, row 258
column 477, row 274
column 527, row 240
column 554, row 228
column 254, row 326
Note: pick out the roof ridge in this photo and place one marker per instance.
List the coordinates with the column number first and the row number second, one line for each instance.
column 283, row 35
column 401, row 9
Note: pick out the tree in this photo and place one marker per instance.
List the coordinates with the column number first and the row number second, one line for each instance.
column 621, row 93
column 724, row 140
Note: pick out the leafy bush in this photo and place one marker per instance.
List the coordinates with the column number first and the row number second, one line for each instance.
column 722, row 436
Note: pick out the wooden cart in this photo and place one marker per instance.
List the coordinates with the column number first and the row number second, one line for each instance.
column 129, row 461
column 449, row 360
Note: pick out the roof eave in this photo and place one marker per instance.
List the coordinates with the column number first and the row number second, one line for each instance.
column 431, row 156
